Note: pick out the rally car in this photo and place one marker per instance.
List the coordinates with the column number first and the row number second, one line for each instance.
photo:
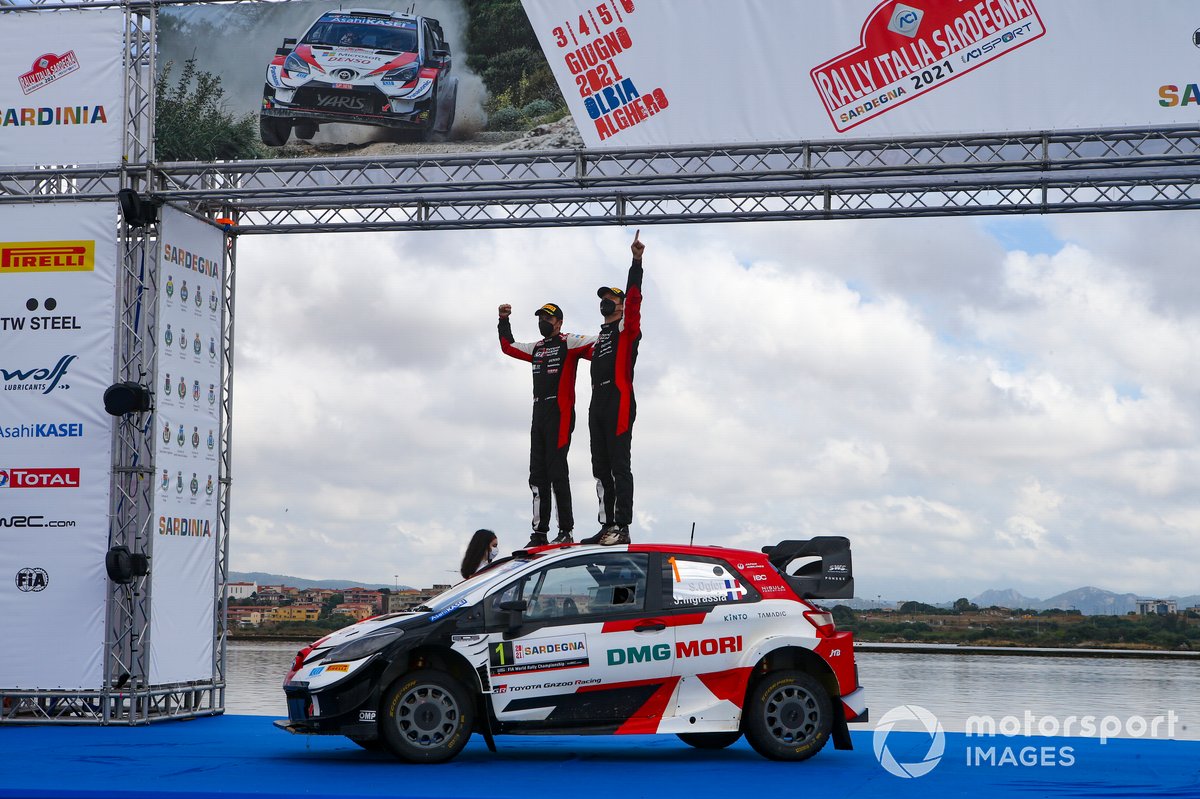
column 706, row 643
column 363, row 67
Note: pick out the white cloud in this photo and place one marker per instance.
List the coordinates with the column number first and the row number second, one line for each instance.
column 971, row 418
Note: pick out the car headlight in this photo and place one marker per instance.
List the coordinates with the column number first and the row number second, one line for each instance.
column 367, row 645
column 296, row 65
column 403, row 74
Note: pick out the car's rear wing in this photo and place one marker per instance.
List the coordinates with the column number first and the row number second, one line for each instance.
column 825, row 571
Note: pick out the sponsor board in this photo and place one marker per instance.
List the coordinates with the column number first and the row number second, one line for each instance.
column 20, row 520
column 41, row 378
column 34, row 322
column 539, row 654
column 43, row 430
column 32, row 257
column 63, row 477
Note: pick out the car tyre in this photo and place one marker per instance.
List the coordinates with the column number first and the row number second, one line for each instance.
column 710, row 740
column 274, row 131
column 306, row 130
column 788, row 716
column 428, row 717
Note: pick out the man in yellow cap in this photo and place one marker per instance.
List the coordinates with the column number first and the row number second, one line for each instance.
column 555, row 359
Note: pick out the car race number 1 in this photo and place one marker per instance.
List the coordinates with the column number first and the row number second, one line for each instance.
column 539, row 654
column 905, row 51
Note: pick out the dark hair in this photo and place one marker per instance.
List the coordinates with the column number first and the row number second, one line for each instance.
column 481, row 541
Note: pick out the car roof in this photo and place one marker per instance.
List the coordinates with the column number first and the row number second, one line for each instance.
column 373, row 12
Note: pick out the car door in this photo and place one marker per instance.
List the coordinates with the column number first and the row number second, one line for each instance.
column 709, row 607
column 583, row 653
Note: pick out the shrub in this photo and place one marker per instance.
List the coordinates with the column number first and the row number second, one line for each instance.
column 191, row 123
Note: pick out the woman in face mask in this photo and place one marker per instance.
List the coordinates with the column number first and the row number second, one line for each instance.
column 483, row 549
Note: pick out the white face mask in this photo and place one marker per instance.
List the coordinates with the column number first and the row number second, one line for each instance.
column 493, row 552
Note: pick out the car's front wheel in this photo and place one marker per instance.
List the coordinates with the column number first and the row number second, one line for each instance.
column 710, row 740
column 788, row 716
column 428, row 717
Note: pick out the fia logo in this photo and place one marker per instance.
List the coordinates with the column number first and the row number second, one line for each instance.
column 32, row 580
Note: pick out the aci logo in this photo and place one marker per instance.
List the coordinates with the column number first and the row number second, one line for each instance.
column 39, row 478
column 910, row 716
column 906, row 20
column 32, row 580
column 39, row 378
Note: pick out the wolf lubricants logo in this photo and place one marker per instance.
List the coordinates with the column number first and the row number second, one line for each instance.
column 908, row 49
column 28, row 257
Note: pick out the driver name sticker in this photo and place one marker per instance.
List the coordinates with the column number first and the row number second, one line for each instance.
column 539, row 654
column 908, row 49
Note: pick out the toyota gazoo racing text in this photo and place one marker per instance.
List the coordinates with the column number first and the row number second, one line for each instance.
column 364, row 67
column 704, row 642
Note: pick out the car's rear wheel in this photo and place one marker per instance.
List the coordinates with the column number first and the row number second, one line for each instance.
column 306, row 130
column 428, row 717
column 788, row 716
column 710, row 740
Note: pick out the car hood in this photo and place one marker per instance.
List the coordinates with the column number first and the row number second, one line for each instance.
column 351, row 63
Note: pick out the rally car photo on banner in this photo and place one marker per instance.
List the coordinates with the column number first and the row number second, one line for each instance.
column 361, row 67
column 706, row 643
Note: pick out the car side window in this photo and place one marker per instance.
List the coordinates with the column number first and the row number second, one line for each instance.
column 597, row 584
column 690, row 581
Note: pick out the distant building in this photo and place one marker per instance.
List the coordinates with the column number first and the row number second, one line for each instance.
column 243, row 616
column 1157, row 607
column 355, row 610
column 241, row 591
column 364, row 596
column 295, row 613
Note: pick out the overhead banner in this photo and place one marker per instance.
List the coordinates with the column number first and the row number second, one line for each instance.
column 678, row 72
column 61, row 87
column 57, row 320
column 187, row 424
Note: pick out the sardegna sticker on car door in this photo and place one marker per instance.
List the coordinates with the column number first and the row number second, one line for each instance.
column 908, row 49
column 539, row 654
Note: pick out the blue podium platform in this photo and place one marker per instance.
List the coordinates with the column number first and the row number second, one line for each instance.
column 245, row 756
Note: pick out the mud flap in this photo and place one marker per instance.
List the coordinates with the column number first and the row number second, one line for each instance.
column 841, row 730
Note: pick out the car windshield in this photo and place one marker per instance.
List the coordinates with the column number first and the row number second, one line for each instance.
column 352, row 34
column 449, row 598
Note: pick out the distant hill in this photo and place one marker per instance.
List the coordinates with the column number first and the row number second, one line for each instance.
column 1007, row 598
column 1089, row 600
column 263, row 578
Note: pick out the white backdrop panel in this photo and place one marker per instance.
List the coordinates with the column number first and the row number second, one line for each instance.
column 187, row 423
column 61, row 87
column 57, row 317
column 676, row 72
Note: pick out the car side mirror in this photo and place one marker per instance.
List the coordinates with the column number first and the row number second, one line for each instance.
column 515, row 608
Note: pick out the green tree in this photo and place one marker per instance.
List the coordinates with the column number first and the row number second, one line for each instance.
column 964, row 605
column 191, row 123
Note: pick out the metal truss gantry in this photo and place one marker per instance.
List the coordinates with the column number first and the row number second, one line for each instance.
column 1076, row 171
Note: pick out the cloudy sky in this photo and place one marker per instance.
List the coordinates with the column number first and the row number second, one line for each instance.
column 976, row 403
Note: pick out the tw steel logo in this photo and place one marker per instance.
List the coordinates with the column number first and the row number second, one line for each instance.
column 32, row 579
column 27, row 257
column 39, row 478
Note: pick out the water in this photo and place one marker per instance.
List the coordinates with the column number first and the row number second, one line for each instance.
column 953, row 687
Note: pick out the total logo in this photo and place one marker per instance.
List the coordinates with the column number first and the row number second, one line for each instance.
column 39, row 478
column 32, row 580
column 38, row 378
column 40, row 322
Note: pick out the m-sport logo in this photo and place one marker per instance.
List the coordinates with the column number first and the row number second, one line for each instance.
column 39, row 478
column 37, row 378
column 32, row 579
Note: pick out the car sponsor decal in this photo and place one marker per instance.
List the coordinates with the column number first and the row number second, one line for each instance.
column 700, row 647
column 702, row 583
column 905, row 52
column 444, row 612
column 366, row 715
column 539, row 654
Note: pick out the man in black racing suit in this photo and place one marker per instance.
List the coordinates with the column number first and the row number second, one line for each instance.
column 555, row 359
column 613, row 408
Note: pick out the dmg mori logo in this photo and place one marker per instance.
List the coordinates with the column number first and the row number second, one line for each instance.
column 28, row 257
column 349, row 103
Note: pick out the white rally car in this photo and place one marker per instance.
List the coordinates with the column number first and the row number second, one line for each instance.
column 706, row 643
column 364, row 67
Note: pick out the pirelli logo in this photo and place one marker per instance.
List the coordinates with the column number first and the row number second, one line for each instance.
column 27, row 257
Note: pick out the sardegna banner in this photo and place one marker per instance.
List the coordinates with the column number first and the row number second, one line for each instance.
column 674, row 72
column 61, row 87
column 57, row 316
column 187, row 427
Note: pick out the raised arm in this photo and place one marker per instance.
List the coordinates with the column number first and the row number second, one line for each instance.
column 522, row 351
column 632, row 321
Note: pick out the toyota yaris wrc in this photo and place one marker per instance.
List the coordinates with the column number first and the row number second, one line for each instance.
column 361, row 67
column 706, row 643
